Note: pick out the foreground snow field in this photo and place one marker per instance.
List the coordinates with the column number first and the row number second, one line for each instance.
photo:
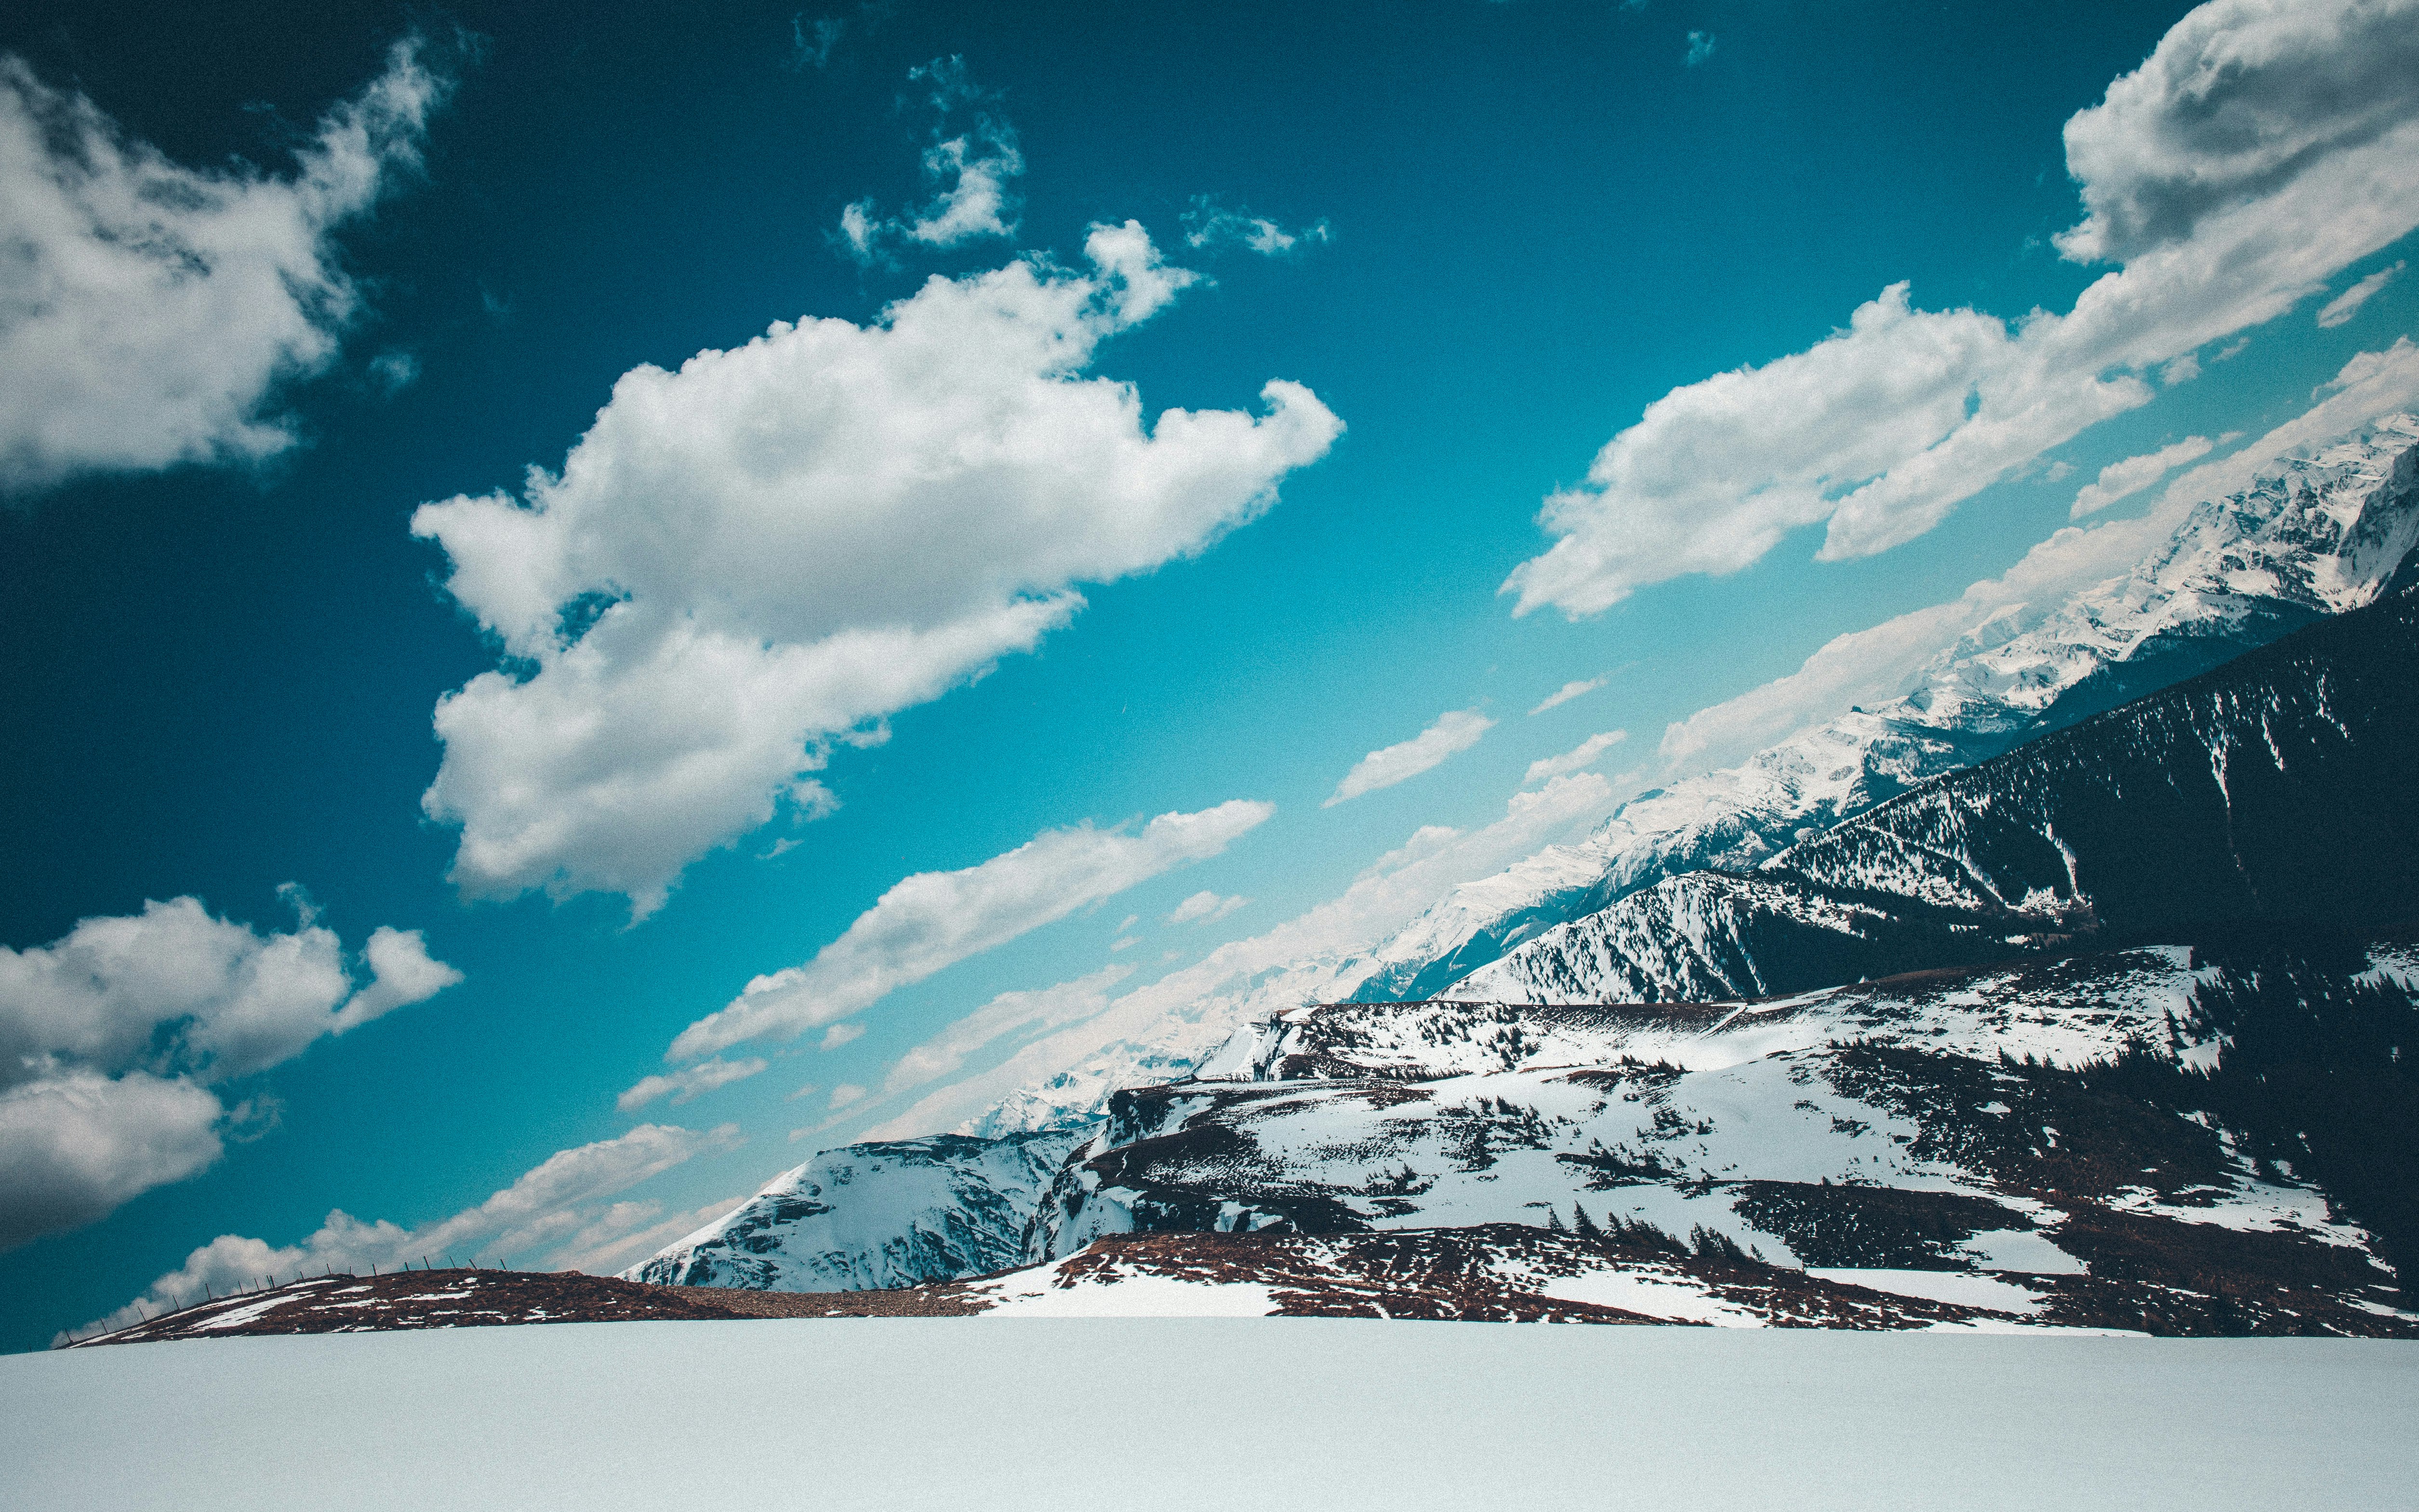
column 1202, row 1413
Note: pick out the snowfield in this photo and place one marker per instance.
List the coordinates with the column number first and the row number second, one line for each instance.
column 1188, row 1412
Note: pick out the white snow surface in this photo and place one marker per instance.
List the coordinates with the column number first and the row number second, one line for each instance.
column 1961, row 1287
column 1638, row 1290
column 1332, row 1414
column 2068, row 1013
column 1775, row 1119
column 1048, row 1292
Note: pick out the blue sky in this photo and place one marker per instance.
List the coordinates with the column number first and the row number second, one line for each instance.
column 1514, row 227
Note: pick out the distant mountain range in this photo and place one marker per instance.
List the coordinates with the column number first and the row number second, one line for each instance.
column 2275, row 790
column 2150, row 849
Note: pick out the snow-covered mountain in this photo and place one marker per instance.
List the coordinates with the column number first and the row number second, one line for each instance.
column 2108, row 1137
column 2275, row 789
column 2326, row 532
column 872, row 1215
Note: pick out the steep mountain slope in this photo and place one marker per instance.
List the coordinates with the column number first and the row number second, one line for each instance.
column 889, row 1214
column 2274, row 788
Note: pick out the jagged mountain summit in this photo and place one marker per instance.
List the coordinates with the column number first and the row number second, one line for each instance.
column 1845, row 852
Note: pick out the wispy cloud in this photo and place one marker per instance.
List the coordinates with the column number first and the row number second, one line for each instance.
column 681, row 1086
column 1204, row 909
column 1701, row 47
column 813, row 43
column 1578, row 759
column 1451, row 734
column 935, row 919
column 2119, row 480
column 973, row 175
column 1019, row 1014
column 2339, row 310
column 1568, row 691
column 1209, row 224
column 1382, row 897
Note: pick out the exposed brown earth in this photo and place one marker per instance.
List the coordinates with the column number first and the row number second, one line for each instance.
column 456, row 1297
column 2233, row 1284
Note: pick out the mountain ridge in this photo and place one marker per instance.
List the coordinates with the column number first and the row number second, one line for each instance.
column 2265, row 789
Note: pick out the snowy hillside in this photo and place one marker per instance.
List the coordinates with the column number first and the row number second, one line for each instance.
column 2087, row 1130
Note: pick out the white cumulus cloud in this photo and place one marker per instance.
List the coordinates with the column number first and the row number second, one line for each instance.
column 1578, row 759
column 150, row 311
column 935, row 919
column 2339, row 310
column 1451, row 734
column 2121, row 480
column 76, row 1144
column 111, row 1036
column 556, row 1205
column 769, row 551
column 2261, row 148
